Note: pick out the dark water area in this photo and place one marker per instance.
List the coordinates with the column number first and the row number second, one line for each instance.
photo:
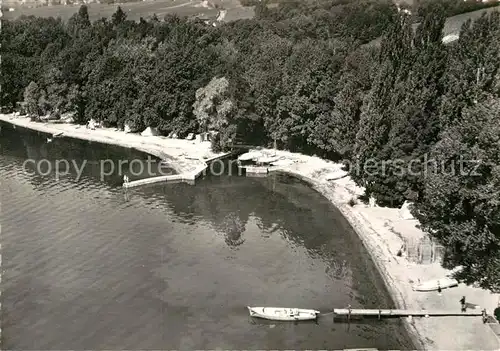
column 89, row 265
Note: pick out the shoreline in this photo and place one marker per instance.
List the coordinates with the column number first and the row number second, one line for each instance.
column 187, row 157
column 395, row 294
column 381, row 230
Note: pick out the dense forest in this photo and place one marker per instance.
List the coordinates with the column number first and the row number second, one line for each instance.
column 424, row 115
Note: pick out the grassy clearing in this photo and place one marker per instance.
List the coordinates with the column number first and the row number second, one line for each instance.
column 454, row 23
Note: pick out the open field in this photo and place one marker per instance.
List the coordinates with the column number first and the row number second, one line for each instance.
column 137, row 10
column 453, row 24
column 161, row 8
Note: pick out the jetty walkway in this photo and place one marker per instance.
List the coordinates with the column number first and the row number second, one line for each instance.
column 190, row 171
column 403, row 313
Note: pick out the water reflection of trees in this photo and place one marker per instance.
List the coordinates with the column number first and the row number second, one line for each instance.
column 266, row 227
column 307, row 217
column 225, row 207
column 216, row 201
column 227, row 203
column 233, row 228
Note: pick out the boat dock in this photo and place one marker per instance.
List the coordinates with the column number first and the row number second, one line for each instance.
column 251, row 170
column 174, row 178
column 189, row 165
column 188, row 176
column 402, row 313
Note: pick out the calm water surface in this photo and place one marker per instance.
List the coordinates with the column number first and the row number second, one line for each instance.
column 87, row 265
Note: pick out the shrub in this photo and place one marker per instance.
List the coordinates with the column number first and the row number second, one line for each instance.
column 352, row 202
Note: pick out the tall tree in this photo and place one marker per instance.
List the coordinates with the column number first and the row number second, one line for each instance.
column 461, row 206
column 472, row 66
column 376, row 114
column 415, row 126
column 23, row 42
column 212, row 104
column 406, row 126
column 79, row 21
column 341, row 125
column 118, row 17
column 32, row 95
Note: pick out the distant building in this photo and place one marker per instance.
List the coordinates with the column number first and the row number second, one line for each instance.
column 210, row 20
column 204, row 18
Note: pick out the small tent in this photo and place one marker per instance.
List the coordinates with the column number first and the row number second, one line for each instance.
column 202, row 137
column 404, row 212
column 91, row 124
column 68, row 117
column 150, row 131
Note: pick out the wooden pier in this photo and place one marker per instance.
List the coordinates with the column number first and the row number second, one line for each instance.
column 402, row 313
column 174, row 178
column 185, row 177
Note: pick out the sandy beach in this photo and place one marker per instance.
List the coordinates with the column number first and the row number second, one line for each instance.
column 382, row 230
column 185, row 156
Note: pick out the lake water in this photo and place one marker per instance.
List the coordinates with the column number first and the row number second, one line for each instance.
column 88, row 265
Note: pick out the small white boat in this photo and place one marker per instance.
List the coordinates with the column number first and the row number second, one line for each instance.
column 267, row 159
column 283, row 314
column 250, row 156
column 435, row 284
column 335, row 175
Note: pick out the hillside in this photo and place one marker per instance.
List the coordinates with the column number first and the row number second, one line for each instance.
column 137, row 10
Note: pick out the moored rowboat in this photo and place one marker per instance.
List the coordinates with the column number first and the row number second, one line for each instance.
column 250, row 156
column 433, row 285
column 283, row 314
